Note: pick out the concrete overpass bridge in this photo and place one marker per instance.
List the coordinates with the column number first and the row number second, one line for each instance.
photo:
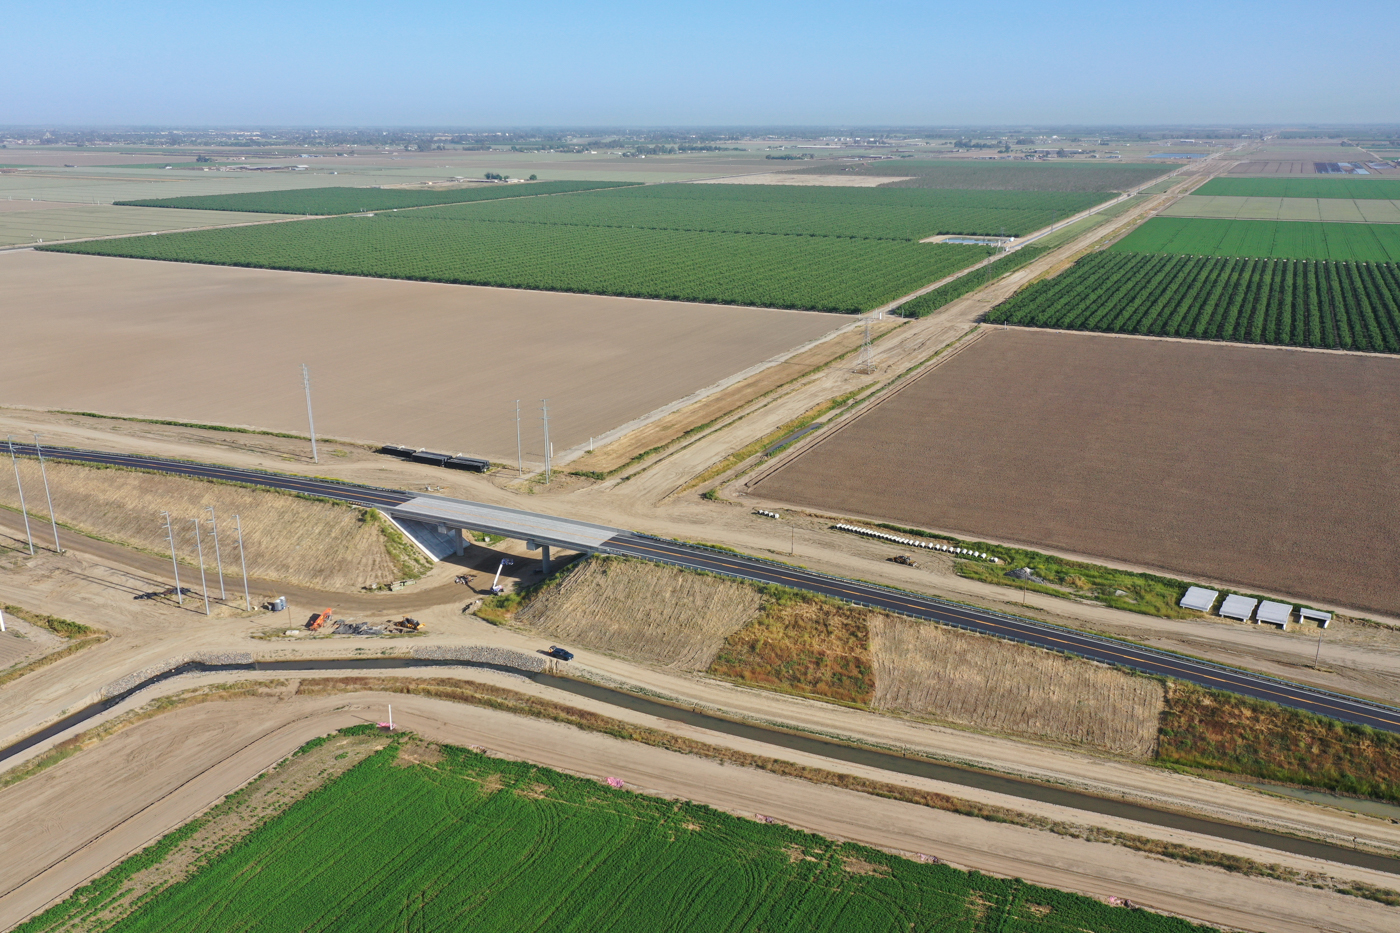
column 441, row 521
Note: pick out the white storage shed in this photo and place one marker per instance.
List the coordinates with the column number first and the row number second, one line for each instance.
column 1199, row 598
column 1274, row 613
column 1238, row 607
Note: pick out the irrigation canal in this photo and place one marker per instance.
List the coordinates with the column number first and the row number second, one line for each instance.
column 826, row 748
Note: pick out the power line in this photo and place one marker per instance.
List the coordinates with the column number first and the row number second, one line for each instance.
column 45, row 474
column 310, row 421
column 548, row 448
column 170, row 535
column 218, row 560
column 519, row 458
column 203, row 582
column 20, row 486
column 247, row 600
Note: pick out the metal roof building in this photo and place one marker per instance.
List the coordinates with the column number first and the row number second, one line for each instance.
column 1274, row 613
column 1315, row 615
column 1238, row 607
column 1199, row 598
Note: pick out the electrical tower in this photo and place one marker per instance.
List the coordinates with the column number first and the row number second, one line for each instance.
column 867, row 359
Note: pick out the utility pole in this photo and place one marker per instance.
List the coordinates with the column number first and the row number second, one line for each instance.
column 247, row 600
column 519, row 460
column 203, row 583
column 20, row 486
column 170, row 534
column 218, row 559
column 548, row 449
column 310, row 421
column 45, row 474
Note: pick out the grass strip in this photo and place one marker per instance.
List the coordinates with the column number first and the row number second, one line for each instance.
column 930, row 302
column 62, row 627
column 793, row 426
column 189, row 424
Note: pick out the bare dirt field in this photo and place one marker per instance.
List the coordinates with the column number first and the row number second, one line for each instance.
column 1333, row 210
column 989, row 684
column 102, row 220
column 412, row 363
column 11, row 206
column 1273, row 167
column 325, row 544
column 1226, row 463
column 648, row 612
column 780, row 178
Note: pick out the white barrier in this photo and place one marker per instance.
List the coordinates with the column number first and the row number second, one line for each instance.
column 910, row 542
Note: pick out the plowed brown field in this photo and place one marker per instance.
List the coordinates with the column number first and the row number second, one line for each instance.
column 1270, row 468
column 415, row 363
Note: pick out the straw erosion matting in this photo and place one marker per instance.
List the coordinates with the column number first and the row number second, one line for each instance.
column 649, row 612
column 792, row 642
column 417, row 363
column 1271, row 468
column 1012, row 688
column 288, row 538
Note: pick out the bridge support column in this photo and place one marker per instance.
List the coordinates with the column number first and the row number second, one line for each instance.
column 545, row 560
column 457, row 541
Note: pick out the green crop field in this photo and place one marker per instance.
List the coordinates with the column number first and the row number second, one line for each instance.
column 1002, row 176
column 340, row 200
column 1385, row 189
column 483, row 844
column 873, row 213
column 1265, row 239
column 1347, row 305
column 443, row 245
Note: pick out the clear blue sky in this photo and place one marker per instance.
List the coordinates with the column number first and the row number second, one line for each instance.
column 719, row 63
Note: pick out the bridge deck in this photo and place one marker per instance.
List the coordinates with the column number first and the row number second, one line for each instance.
column 508, row 523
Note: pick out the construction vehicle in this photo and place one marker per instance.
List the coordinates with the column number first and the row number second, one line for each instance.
column 406, row 625
column 319, row 620
column 904, row 559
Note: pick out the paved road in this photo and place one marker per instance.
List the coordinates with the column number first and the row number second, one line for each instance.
column 1055, row 638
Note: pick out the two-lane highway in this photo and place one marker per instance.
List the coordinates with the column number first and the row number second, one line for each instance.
column 1052, row 637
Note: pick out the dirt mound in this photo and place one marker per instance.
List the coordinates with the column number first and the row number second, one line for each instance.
column 288, row 538
column 990, row 684
column 643, row 611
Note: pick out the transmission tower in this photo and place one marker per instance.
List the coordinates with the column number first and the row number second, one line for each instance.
column 867, row 360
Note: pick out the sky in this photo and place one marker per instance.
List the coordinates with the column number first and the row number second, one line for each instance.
column 720, row 63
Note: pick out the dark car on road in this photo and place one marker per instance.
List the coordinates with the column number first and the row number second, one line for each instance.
column 556, row 652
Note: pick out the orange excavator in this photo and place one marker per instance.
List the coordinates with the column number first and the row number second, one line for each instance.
column 320, row 620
